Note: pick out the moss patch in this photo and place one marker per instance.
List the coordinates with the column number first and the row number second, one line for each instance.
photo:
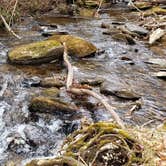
column 36, row 51
column 76, row 46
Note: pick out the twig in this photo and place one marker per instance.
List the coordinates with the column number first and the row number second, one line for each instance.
column 102, row 100
column 131, row 3
column 97, row 11
column 69, row 67
column 8, row 28
column 79, row 91
column 14, row 9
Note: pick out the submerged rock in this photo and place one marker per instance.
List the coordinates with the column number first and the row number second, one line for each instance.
column 36, row 53
column 51, row 92
column 99, row 144
column 92, row 81
column 76, row 46
column 48, row 105
column 122, row 92
column 157, row 61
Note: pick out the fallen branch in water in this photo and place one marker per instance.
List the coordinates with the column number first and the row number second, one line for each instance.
column 81, row 91
column 70, row 74
column 8, row 28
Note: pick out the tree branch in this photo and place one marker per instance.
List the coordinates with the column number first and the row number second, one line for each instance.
column 82, row 91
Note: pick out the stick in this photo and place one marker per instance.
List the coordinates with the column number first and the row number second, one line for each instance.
column 14, row 9
column 8, row 28
column 97, row 11
column 102, row 100
column 78, row 91
column 69, row 67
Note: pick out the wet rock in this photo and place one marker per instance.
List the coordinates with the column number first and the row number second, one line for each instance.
column 124, row 38
column 53, row 82
column 140, row 5
column 48, row 33
column 18, row 144
column 160, row 74
column 48, row 105
column 76, row 46
column 155, row 10
column 157, row 61
column 122, row 92
column 31, row 82
column 51, row 92
column 92, row 81
column 156, row 35
column 104, row 25
column 36, row 53
column 136, row 29
column 116, row 34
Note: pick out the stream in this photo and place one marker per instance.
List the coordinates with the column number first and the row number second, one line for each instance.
column 23, row 136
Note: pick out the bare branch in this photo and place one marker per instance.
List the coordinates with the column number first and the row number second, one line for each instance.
column 8, row 28
column 79, row 91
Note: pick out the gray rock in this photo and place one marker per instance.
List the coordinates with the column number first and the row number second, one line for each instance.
column 108, row 88
column 136, row 29
column 157, row 61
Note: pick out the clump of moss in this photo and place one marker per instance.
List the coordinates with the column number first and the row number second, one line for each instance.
column 105, row 143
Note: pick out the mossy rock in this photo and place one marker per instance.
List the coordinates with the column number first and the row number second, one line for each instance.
column 36, row 53
column 43, row 104
column 76, row 46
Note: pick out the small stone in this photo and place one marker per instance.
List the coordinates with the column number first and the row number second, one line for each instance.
column 51, row 92
column 54, row 81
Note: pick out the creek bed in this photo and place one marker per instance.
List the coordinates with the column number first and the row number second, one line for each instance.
column 25, row 136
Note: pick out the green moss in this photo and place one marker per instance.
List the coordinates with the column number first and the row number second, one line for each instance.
column 33, row 50
column 76, row 46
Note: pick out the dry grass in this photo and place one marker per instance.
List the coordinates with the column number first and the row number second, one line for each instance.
column 24, row 7
column 154, row 144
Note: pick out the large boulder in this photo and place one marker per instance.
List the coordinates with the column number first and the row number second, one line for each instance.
column 76, row 46
column 36, row 53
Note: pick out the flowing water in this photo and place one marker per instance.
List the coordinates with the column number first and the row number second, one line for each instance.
column 25, row 136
